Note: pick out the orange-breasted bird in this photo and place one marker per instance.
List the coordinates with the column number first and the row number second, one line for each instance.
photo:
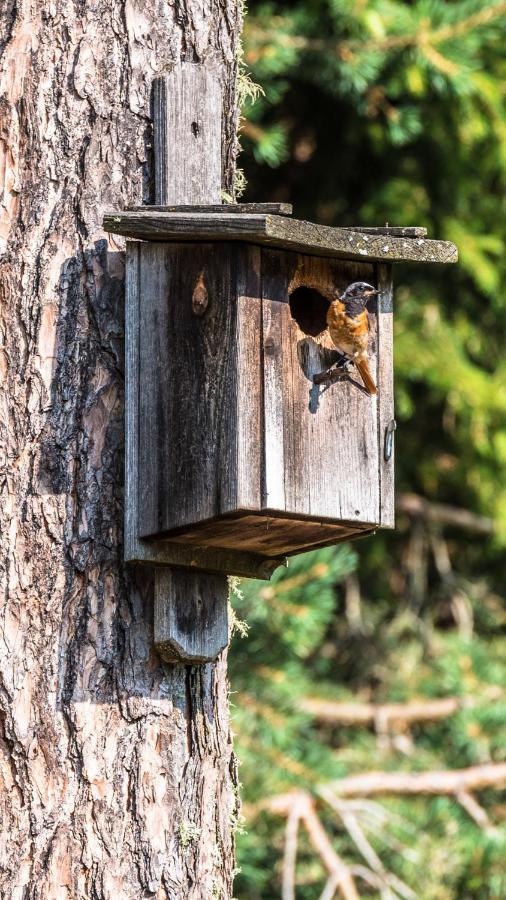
column 348, row 324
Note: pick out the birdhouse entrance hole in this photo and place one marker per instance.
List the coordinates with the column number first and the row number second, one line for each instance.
column 309, row 309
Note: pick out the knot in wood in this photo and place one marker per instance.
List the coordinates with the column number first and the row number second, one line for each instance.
column 200, row 297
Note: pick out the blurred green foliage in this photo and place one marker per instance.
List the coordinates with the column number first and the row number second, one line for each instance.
column 303, row 643
column 385, row 111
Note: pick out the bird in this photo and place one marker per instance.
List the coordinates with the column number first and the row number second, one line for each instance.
column 348, row 325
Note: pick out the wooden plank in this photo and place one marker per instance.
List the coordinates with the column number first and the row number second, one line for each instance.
column 188, row 170
column 191, row 620
column 393, row 230
column 188, row 373
column 386, row 393
column 277, row 209
column 269, row 534
column 247, row 477
column 273, row 339
column 200, row 556
column 282, row 232
column 131, row 542
column 321, row 452
column 187, row 113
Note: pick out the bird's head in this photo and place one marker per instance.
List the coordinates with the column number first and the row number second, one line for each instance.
column 356, row 296
column 359, row 290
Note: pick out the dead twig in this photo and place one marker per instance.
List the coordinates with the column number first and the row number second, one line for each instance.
column 290, row 857
column 306, row 813
column 473, row 809
column 440, row 513
column 394, row 715
column 388, row 880
column 445, row 782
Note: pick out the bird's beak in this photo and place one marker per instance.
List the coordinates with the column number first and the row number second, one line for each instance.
column 373, row 292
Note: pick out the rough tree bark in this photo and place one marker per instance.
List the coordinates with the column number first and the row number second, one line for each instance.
column 117, row 777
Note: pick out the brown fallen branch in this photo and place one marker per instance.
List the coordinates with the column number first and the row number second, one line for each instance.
column 299, row 806
column 290, row 857
column 350, row 821
column 473, row 809
column 445, row 782
column 441, row 514
column 330, row 712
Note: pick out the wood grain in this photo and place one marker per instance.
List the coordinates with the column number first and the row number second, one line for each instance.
column 187, row 113
column 189, row 135
column 385, row 375
column 269, row 534
column 132, row 549
column 278, row 209
column 189, row 441
column 321, row 443
column 191, row 620
column 393, row 230
column 279, row 231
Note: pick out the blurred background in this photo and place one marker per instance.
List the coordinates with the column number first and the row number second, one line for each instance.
column 386, row 658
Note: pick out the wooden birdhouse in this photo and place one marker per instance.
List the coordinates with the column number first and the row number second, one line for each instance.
column 241, row 447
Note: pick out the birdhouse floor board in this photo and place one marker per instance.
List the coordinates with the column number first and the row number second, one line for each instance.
column 267, row 535
column 278, row 231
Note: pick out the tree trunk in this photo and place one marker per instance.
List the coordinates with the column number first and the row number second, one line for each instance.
column 117, row 777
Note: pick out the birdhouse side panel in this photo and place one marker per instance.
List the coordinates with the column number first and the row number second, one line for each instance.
column 191, row 432
column 321, row 440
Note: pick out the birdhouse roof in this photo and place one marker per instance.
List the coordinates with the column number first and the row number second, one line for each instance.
column 270, row 225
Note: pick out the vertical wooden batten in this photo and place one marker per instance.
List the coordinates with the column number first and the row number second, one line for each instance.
column 187, row 117
column 191, row 608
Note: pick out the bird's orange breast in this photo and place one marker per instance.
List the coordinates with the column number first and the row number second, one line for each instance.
column 349, row 334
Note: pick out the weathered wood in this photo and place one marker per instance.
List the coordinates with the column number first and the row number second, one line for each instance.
column 277, row 209
column 162, row 552
column 187, row 117
column 204, row 558
column 187, row 122
column 256, row 433
column 386, row 412
column 394, row 230
column 249, row 364
column 279, row 231
column 248, row 432
column 191, row 620
column 199, row 422
column 132, row 550
column 269, row 534
column 321, row 444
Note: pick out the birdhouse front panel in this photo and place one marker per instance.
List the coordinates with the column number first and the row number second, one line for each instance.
column 321, row 439
column 239, row 448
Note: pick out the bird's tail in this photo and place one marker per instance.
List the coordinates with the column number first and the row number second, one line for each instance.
column 365, row 374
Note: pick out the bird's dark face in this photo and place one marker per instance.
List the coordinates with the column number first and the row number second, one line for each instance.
column 359, row 290
column 356, row 296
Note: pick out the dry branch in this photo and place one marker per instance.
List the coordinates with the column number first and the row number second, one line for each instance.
column 334, row 713
column 473, row 809
column 441, row 514
column 302, row 803
column 352, row 825
column 445, row 782
column 290, row 857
